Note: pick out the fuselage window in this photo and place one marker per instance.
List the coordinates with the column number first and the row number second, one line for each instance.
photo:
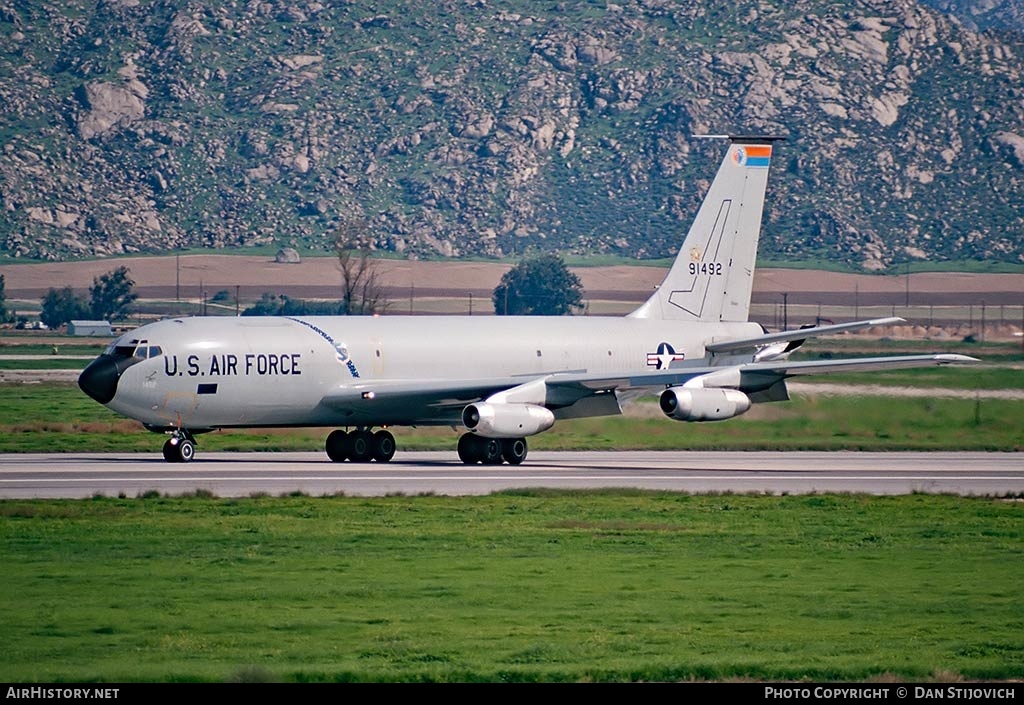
column 155, row 351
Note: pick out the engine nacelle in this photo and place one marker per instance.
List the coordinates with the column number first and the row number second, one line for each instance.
column 506, row 420
column 698, row 404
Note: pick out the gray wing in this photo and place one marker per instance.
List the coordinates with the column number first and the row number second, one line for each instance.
column 576, row 394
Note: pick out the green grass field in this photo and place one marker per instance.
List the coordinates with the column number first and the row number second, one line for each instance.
column 49, row 363
column 12, row 346
column 967, row 380
column 518, row 586
column 525, row 586
column 50, row 417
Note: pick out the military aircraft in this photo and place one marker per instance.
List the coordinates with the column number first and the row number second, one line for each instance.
column 501, row 378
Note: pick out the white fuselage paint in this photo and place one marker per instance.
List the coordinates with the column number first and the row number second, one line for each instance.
column 276, row 371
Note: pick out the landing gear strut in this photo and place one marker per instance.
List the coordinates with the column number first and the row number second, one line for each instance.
column 360, row 446
column 491, row 451
column 180, row 447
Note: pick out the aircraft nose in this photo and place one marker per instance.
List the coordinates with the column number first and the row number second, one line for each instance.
column 99, row 379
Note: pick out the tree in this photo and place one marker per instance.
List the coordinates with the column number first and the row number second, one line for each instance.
column 362, row 292
column 268, row 305
column 61, row 306
column 111, row 294
column 282, row 305
column 540, row 285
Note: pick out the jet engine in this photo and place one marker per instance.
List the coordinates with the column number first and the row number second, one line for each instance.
column 506, row 420
column 698, row 404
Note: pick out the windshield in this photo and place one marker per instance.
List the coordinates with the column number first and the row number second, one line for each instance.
column 134, row 348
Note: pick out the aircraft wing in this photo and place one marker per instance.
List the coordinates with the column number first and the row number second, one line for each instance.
column 777, row 370
column 440, row 401
column 437, row 392
column 413, row 401
column 863, row 364
column 760, row 381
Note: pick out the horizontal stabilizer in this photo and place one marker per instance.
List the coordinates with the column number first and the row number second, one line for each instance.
column 745, row 344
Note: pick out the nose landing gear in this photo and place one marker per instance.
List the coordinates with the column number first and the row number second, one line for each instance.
column 180, row 447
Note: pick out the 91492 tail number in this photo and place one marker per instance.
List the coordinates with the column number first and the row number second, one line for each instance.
column 713, row 269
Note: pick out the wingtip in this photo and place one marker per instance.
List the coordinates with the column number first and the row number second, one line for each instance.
column 955, row 359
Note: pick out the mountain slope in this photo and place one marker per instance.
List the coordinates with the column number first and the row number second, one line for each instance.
column 980, row 15
column 482, row 127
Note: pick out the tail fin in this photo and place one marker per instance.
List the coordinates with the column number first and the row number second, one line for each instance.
column 713, row 273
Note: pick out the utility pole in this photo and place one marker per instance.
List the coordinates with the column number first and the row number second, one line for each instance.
column 908, row 284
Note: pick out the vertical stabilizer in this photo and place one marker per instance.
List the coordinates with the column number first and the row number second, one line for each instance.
column 713, row 273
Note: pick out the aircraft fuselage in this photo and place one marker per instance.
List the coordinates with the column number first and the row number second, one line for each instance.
column 275, row 371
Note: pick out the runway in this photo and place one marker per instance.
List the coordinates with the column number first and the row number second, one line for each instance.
column 244, row 474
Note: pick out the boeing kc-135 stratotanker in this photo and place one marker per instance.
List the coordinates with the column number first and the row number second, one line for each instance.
column 502, row 378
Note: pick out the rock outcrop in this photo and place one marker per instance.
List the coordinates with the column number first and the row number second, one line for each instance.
column 287, row 255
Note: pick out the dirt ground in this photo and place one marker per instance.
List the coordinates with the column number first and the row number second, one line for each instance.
column 425, row 286
column 216, row 272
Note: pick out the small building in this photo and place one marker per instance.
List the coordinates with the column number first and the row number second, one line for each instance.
column 96, row 328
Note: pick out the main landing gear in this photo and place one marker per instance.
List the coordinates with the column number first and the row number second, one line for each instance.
column 360, row 446
column 491, row 451
column 180, row 447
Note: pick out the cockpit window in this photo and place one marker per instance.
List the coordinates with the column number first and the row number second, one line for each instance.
column 134, row 348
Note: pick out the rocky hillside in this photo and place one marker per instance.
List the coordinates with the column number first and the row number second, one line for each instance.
column 980, row 15
column 483, row 127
